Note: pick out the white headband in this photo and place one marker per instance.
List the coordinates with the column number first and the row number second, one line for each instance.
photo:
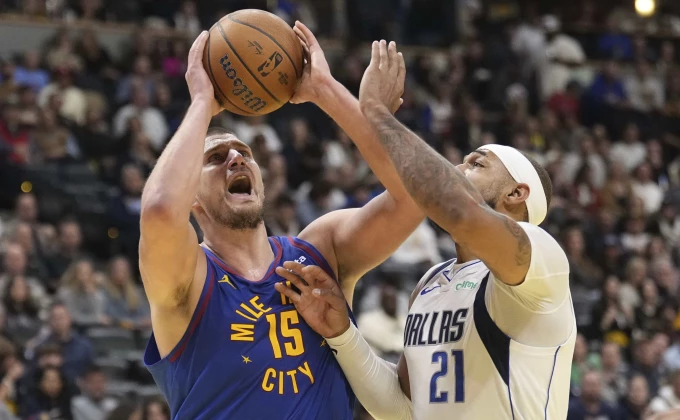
column 522, row 171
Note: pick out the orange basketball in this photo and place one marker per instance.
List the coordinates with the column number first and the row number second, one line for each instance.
column 254, row 60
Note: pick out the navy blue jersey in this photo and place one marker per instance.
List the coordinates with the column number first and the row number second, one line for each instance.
column 247, row 354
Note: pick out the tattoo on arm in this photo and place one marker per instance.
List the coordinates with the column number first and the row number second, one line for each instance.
column 432, row 181
column 523, row 253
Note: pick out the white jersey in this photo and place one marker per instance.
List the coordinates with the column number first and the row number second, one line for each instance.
column 479, row 349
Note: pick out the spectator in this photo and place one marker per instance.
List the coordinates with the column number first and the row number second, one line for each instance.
column 52, row 398
column 22, row 311
column 282, row 220
column 126, row 303
column 646, row 358
column 611, row 320
column 15, row 265
column 316, row 204
column 631, row 152
column 76, row 350
column 70, row 243
column 615, row 44
column 125, row 208
column 582, row 361
column 563, row 55
column 72, row 100
column 608, row 88
column 142, row 77
column 646, row 189
column 247, row 129
column 30, row 74
column 591, row 404
column 11, row 370
column 648, row 316
column 645, row 89
column 186, row 19
column 382, row 327
column 614, row 372
column 634, row 405
column 155, row 408
column 14, row 137
column 303, row 154
column 93, row 404
column 83, row 297
column 152, row 121
column 669, row 396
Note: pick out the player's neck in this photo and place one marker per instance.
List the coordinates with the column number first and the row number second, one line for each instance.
column 464, row 255
column 248, row 252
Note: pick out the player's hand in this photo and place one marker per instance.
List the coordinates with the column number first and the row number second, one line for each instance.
column 320, row 301
column 316, row 73
column 200, row 86
column 383, row 81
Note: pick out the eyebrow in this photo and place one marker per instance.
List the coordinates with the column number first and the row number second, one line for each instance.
column 481, row 152
column 232, row 144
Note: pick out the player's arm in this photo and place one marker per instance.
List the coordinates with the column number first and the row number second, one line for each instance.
column 358, row 239
column 168, row 244
column 441, row 190
column 381, row 387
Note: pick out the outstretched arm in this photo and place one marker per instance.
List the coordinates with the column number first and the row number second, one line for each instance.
column 382, row 387
column 358, row 239
column 441, row 190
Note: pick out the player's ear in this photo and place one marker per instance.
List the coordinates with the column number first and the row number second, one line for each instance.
column 518, row 195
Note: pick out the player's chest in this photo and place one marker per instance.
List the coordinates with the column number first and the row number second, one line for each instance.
column 442, row 312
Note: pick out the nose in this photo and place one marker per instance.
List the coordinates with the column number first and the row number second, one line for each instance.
column 235, row 159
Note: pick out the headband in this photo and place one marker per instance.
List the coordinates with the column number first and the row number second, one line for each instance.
column 522, row 171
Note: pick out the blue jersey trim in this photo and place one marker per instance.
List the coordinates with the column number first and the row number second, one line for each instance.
column 152, row 357
column 547, row 400
column 496, row 342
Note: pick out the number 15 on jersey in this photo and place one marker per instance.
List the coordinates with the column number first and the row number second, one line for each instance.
column 442, row 359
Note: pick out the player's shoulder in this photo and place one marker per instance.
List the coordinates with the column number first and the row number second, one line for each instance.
column 547, row 256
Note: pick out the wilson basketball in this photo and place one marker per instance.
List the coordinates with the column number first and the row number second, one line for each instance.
column 254, row 60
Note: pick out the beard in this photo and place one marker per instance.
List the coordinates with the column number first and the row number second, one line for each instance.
column 240, row 219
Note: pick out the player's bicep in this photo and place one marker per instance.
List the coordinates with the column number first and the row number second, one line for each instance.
column 404, row 381
column 363, row 238
column 497, row 240
column 168, row 262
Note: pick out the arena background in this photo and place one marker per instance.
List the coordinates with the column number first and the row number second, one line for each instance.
column 91, row 91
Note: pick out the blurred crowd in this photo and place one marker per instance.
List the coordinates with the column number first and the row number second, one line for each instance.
column 81, row 130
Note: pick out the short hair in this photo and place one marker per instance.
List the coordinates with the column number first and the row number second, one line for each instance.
column 544, row 177
column 49, row 348
column 93, row 369
column 218, row 131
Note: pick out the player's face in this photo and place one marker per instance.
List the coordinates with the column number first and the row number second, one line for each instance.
column 487, row 173
column 231, row 191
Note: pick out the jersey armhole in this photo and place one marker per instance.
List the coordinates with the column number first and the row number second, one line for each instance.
column 152, row 359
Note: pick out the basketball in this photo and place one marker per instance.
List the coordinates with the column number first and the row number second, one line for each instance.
column 254, row 60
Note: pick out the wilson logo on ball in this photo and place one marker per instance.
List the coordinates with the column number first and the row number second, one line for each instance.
column 271, row 64
column 241, row 90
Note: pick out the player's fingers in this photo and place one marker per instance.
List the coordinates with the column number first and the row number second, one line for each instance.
column 309, row 35
column 300, row 35
column 287, row 291
column 298, row 270
column 316, row 276
column 196, row 51
column 375, row 54
column 393, row 58
column 384, row 62
column 401, row 77
column 335, row 301
column 292, row 277
column 305, row 51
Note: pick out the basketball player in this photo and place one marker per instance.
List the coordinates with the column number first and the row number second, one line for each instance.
column 489, row 335
column 225, row 343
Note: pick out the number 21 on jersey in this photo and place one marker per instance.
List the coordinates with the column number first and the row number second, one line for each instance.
column 442, row 359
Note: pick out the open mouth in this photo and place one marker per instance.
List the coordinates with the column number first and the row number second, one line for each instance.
column 240, row 185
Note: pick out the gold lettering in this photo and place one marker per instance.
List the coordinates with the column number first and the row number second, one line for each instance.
column 280, row 383
column 246, row 316
column 259, row 306
column 242, row 332
column 292, row 374
column 297, row 347
column 284, row 299
column 306, row 371
column 266, row 385
column 273, row 337
column 256, row 314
